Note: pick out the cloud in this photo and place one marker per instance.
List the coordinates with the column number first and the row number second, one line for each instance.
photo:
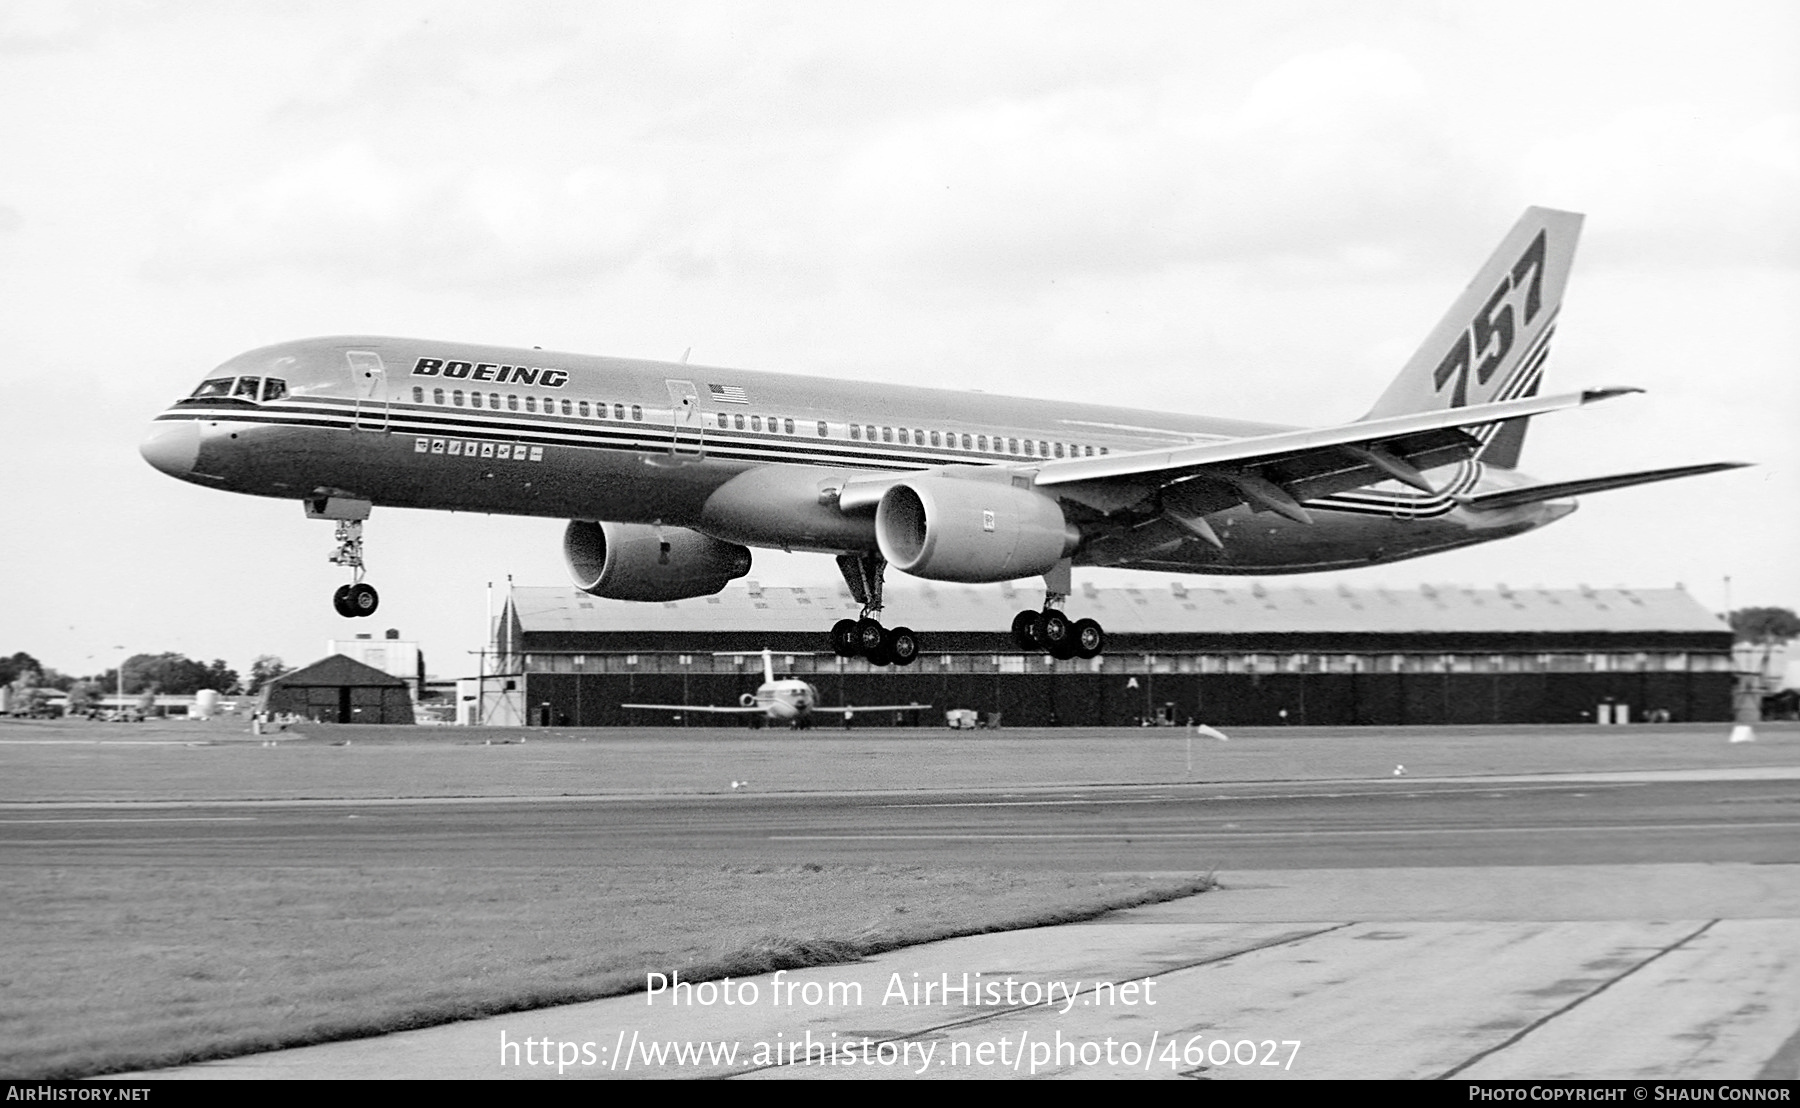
column 1144, row 176
column 354, row 213
column 1673, row 181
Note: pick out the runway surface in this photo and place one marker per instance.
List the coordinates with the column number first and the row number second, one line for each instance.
column 1605, row 923
column 1314, row 825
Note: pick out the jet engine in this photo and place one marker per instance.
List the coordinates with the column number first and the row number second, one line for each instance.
column 953, row 529
column 630, row 561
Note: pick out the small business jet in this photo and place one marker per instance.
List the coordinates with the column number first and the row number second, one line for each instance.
column 670, row 472
column 782, row 700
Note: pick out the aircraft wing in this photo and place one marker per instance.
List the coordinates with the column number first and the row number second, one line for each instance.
column 1277, row 471
column 1532, row 494
column 754, row 709
column 817, row 708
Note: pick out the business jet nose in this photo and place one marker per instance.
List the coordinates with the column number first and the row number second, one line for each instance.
column 172, row 446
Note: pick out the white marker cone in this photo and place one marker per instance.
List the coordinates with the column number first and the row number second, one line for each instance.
column 1743, row 733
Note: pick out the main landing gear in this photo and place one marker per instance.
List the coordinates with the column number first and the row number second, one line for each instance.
column 1056, row 635
column 866, row 637
column 355, row 599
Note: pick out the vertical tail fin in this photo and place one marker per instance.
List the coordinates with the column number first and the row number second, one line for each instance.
column 768, row 666
column 1492, row 343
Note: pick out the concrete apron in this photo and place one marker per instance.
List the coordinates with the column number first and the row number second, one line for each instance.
column 1654, row 971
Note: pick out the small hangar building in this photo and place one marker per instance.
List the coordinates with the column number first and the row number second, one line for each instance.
column 1255, row 656
column 337, row 689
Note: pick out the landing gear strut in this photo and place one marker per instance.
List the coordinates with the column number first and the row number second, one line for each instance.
column 355, row 599
column 866, row 637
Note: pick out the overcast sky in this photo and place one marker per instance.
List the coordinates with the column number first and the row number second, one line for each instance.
column 1248, row 210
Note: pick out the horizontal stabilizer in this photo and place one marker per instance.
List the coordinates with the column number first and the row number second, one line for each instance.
column 1532, row 494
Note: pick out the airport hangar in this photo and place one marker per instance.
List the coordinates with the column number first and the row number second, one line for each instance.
column 1241, row 656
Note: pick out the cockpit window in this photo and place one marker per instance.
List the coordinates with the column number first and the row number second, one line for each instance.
column 274, row 388
column 218, row 386
column 247, row 387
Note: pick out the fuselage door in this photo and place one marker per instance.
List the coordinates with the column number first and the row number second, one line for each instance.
column 369, row 380
column 687, row 431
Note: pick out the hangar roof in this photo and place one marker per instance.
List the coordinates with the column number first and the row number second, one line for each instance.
column 1171, row 609
column 337, row 670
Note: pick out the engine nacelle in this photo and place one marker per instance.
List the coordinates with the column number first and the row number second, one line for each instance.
column 629, row 561
column 951, row 529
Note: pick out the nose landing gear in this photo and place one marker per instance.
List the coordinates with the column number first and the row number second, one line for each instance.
column 357, row 598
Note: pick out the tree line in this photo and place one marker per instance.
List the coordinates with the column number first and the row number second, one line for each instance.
column 169, row 674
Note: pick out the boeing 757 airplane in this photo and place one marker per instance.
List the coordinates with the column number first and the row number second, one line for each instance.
column 669, row 473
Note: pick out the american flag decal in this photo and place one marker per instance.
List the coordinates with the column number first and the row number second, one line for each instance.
column 728, row 394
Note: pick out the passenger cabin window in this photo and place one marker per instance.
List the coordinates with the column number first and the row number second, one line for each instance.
column 437, row 396
column 1059, row 450
column 856, row 432
column 824, row 431
column 493, row 400
column 918, row 436
column 738, row 422
column 418, row 395
column 787, row 426
column 567, row 408
column 965, row 442
column 902, row 436
column 980, row 443
column 618, row 411
column 512, row 401
column 456, row 398
column 581, row 409
column 273, row 388
column 531, row 403
column 887, row 434
column 637, row 412
column 1012, row 446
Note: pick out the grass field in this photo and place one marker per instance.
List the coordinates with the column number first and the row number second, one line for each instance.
column 108, row 968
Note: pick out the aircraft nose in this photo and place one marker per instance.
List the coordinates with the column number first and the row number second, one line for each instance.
column 172, row 446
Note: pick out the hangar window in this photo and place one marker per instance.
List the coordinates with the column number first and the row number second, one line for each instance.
column 418, row 395
column 637, row 412
column 456, row 398
column 823, row 430
column 274, row 388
